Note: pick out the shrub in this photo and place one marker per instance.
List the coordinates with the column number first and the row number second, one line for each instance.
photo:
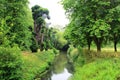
column 61, row 41
column 55, row 51
column 76, row 55
column 10, row 64
column 72, row 53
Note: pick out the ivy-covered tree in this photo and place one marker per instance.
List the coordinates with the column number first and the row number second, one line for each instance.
column 39, row 14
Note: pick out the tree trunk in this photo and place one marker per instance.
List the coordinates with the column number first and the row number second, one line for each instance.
column 35, row 27
column 115, row 43
column 115, row 46
column 98, row 47
column 89, row 40
column 98, row 42
column 88, row 47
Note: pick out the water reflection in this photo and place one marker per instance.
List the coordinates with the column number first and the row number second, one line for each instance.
column 59, row 64
column 61, row 69
column 62, row 76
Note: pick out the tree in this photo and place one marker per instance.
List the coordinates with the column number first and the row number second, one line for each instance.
column 114, row 21
column 90, row 17
column 74, row 35
column 16, row 22
column 39, row 14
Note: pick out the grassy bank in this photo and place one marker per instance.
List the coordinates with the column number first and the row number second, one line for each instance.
column 101, row 69
column 36, row 63
column 97, row 66
column 17, row 65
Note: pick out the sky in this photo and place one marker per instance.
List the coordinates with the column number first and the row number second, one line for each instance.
column 57, row 13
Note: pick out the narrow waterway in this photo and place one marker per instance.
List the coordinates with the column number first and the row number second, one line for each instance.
column 61, row 69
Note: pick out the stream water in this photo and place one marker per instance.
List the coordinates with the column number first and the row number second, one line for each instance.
column 60, row 70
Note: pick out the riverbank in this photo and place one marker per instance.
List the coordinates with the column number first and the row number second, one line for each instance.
column 101, row 69
column 97, row 66
column 35, row 64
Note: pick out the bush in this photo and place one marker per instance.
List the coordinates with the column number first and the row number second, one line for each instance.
column 76, row 55
column 61, row 41
column 10, row 64
column 72, row 53
column 56, row 51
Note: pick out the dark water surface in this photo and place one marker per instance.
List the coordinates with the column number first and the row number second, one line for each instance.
column 60, row 70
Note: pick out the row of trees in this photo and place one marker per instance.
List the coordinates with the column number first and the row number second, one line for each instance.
column 93, row 20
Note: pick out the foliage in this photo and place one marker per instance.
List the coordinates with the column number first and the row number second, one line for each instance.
column 40, row 28
column 99, row 70
column 114, row 21
column 72, row 53
column 61, row 41
column 15, row 24
column 50, row 39
column 28, row 66
column 34, row 47
column 54, row 39
column 90, row 21
column 44, row 37
column 35, row 64
column 11, row 64
column 76, row 55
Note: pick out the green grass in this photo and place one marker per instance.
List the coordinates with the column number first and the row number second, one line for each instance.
column 101, row 69
column 36, row 63
column 105, row 53
column 104, row 65
column 104, row 49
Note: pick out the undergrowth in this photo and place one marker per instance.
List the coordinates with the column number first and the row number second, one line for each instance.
column 36, row 63
column 94, row 65
column 101, row 69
